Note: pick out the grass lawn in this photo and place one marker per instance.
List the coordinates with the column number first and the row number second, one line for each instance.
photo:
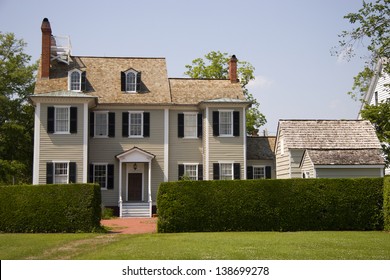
column 199, row 246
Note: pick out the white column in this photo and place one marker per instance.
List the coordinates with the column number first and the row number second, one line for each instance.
column 166, row 144
column 245, row 138
column 37, row 135
column 120, row 188
column 150, row 187
column 85, row 144
column 206, row 148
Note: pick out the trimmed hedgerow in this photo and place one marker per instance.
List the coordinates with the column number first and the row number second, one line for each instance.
column 386, row 204
column 50, row 208
column 271, row 205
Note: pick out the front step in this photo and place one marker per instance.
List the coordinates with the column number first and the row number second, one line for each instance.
column 135, row 210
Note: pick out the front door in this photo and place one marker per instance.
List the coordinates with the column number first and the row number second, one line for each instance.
column 134, row 186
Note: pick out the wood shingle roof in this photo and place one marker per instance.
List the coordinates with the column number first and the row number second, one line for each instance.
column 346, row 157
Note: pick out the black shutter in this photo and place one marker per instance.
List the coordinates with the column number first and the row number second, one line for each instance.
column 111, row 124
column 138, row 86
column 123, row 81
column 49, row 172
column 83, row 81
column 180, row 125
column 236, row 123
column 91, row 124
column 215, row 123
column 146, row 124
column 215, row 171
column 237, row 171
column 90, row 174
column 249, row 172
column 200, row 172
column 73, row 119
column 50, row 119
column 200, row 125
column 72, row 172
column 110, row 176
column 181, row 171
column 125, row 124
column 268, row 172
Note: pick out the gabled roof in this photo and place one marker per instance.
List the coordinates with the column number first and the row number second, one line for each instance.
column 260, row 148
column 328, row 134
column 345, row 157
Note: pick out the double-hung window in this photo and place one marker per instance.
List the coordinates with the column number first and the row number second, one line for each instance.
column 135, row 124
column 191, row 171
column 77, row 80
column 190, row 125
column 226, row 123
column 100, row 175
column 226, row 171
column 61, row 172
column 259, row 172
column 131, row 81
column 101, row 124
column 61, row 121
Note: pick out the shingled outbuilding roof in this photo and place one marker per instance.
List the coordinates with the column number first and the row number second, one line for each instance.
column 346, row 157
column 328, row 134
column 260, row 148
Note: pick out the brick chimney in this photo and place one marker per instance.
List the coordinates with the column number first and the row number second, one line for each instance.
column 46, row 45
column 233, row 69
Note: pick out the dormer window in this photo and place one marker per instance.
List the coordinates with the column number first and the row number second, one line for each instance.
column 77, row 80
column 131, row 81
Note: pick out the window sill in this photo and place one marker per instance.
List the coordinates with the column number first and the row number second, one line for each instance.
column 62, row 132
column 226, row 136
column 135, row 136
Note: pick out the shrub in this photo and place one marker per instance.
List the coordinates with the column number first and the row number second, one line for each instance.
column 50, row 208
column 271, row 205
column 386, row 204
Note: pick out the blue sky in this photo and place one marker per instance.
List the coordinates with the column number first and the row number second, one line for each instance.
column 288, row 42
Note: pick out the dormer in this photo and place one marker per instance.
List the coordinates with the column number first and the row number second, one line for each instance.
column 77, row 80
column 131, row 81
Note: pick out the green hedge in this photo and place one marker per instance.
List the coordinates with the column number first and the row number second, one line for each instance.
column 271, row 205
column 386, row 204
column 50, row 208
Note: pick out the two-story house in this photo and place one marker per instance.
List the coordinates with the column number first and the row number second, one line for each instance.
column 122, row 123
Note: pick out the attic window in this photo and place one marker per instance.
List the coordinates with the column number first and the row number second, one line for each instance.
column 131, row 81
column 76, row 80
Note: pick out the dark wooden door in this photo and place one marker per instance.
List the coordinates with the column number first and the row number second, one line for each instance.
column 135, row 186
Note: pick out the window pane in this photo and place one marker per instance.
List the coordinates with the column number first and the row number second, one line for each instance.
column 61, row 173
column 191, row 171
column 75, row 81
column 226, row 171
column 130, row 81
column 190, row 125
column 62, row 119
column 258, row 173
column 101, row 124
column 100, row 175
column 135, row 124
column 225, row 123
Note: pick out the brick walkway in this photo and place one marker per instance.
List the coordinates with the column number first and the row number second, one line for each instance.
column 131, row 225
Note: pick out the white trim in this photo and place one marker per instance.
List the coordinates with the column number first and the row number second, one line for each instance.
column 231, row 134
column 70, row 80
column 349, row 166
column 85, row 144
column 245, row 139
column 206, row 150
column 94, row 126
column 142, row 124
column 220, row 168
column 166, row 145
column 195, row 114
column 196, row 169
column 135, row 82
column 55, row 119
column 120, row 202
column 37, row 141
column 259, row 166
column 54, row 170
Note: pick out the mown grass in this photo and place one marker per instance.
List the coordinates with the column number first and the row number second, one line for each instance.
column 199, row 246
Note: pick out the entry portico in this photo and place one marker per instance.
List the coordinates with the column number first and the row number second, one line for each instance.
column 134, row 168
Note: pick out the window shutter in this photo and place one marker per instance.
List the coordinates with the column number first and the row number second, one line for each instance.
column 215, row 123
column 268, row 172
column 110, row 176
column 146, row 124
column 249, row 172
column 73, row 119
column 91, row 124
column 125, row 124
column 50, row 119
column 83, row 81
column 200, row 125
column 123, row 81
column 181, row 171
column 90, row 173
column 72, row 172
column 180, row 125
column 236, row 123
column 237, row 171
column 138, row 86
column 216, row 170
column 49, row 172
column 111, row 124
column 200, row 172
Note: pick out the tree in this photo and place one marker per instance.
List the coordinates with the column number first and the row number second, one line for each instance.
column 379, row 116
column 372, row 29
column 218, row 68
column 17, row 78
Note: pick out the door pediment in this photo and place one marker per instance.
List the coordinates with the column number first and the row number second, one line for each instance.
column 135, row 154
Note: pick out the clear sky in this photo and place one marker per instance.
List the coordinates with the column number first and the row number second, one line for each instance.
column 288, row 42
